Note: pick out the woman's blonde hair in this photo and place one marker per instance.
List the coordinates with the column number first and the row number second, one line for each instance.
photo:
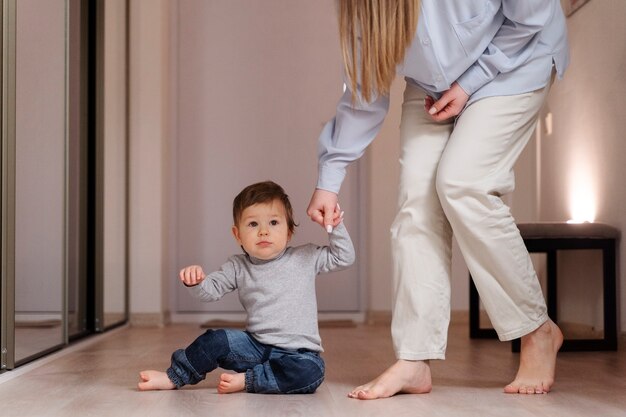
column 374, row 36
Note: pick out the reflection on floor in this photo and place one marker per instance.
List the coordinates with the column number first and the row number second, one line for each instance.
column 36, row 332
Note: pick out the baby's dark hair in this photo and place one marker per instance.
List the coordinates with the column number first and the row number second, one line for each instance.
column 262, row 192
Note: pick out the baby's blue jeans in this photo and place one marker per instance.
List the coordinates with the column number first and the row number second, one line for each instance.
column 268, row 369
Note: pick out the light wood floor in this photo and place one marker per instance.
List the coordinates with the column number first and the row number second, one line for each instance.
column 98, row 378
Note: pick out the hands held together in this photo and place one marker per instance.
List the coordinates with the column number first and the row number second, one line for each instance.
column 324, row 209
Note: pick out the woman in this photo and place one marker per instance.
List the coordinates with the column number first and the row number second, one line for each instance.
column 478, row 72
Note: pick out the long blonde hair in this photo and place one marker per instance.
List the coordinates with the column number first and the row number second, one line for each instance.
column 381, row 30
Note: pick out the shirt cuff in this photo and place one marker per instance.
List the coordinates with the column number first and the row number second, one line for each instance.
column 473, row 79
column 330, row 178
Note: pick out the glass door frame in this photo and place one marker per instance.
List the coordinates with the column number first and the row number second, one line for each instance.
column 7, row 256
column 8, row 346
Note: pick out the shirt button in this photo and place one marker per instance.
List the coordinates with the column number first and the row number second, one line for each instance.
column 426, row 41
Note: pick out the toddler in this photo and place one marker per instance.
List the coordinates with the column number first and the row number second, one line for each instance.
column 279, row 352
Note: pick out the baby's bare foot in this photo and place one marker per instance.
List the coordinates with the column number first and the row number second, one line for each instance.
column 411, row 377
column 231, row 383
column 154, row 380
column 537, row 360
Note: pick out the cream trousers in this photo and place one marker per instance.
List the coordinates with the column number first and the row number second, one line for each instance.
column 452, row 177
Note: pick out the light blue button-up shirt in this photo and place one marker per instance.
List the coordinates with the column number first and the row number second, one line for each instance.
column 490, row 47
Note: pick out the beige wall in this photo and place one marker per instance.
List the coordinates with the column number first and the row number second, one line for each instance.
column 114, row 157
column 583, row 160
column 586, row 109
column 149, row 117
column 249, row 109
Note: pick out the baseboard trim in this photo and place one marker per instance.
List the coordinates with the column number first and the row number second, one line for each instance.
column 460, row 317
column 324, row 318
column 378, row 318
column 383, row 317
column 150, row 319
column 372, row 318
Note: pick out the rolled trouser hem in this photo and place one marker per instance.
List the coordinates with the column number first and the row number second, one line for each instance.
column 173, row 376
column 420, row 356
column 249, row 380
column 181, row 372
column 529, row 328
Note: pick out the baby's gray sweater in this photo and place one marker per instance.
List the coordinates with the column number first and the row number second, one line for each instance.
column 279, row 294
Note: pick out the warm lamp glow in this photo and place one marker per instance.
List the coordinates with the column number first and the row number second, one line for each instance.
column 572, row 221
column 582, row 201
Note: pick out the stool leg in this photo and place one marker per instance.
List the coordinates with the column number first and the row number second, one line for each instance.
column 610, row 305
column 474, row 310
column 552, row 285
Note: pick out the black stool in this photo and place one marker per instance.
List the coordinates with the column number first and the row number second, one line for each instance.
column 550, row 238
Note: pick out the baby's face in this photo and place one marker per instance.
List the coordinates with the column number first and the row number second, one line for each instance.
column 263, row 231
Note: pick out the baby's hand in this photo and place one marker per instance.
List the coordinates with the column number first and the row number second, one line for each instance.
column 192, row 275
column 337, row 215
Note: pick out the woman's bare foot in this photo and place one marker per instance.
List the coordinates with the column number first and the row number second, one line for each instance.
column 537, row 360
column 154, row 380
column 411, row 377
column 231, row 383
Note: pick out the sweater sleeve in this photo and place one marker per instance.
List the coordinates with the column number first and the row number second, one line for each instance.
column 218, row 283
column 339, row 254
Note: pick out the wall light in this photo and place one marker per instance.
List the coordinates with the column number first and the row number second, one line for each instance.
column 582, row 195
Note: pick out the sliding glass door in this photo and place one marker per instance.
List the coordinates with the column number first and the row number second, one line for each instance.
column 34, row 203
column 64, row 173
column 40, row 177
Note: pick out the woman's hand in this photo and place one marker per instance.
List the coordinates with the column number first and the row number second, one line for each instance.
column 324, row 209
column 192, row 275
column 449, row 105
